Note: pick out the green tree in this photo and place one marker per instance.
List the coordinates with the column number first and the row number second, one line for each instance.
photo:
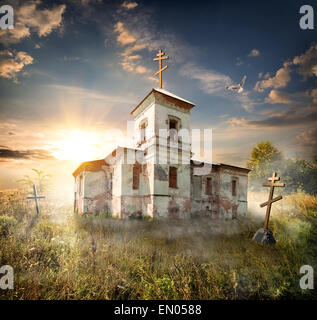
column 298, row 174
column 263, row 156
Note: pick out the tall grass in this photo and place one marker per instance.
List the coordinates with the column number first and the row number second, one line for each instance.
column 104, row 258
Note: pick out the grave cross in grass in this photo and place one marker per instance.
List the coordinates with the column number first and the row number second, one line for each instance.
column 36, row 197
column 264, row 235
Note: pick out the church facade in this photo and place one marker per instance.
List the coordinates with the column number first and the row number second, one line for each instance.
column 157, row 177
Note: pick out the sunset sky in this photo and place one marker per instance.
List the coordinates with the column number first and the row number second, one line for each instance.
column 72, row 70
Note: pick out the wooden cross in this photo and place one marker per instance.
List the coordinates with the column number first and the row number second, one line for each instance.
column 36, row 197
column 268, row 203
column 159, row 59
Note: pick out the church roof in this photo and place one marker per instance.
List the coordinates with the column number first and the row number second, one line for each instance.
column 94, row 165
column 219, row 164
column 172, row 95
column 184, row 103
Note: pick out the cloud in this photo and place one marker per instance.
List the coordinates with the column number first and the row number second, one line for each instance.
column 86, row 93
column 236, row 122
column 305, row 65
column 124, row 36
column 289, row 119
column 136, row 33
column 129, row 5
column 254, row 53
column 26, row 154
column 30, row 18
column 308, row 138
column 276, row 96
column 307, row 62
column 314, row 96
column 211, row 81
column 285, row 119
column 264, row 75
column 13, row 63
column 279, row 80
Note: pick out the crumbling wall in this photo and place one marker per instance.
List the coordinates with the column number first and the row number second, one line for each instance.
column 230, row 205
column 205, row 203
column 97, row 192
column 171, row 202
column 220, row 203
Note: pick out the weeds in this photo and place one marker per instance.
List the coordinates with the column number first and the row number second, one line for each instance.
column 69, row 257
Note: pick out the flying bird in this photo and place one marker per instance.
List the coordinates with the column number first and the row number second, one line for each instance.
column 238, row 87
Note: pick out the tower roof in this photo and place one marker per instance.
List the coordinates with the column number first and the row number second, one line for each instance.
column 169, row 96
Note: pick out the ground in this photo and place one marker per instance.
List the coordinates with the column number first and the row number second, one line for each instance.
column 63, row 256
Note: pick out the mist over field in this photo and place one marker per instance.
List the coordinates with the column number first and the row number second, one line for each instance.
column 60, row 255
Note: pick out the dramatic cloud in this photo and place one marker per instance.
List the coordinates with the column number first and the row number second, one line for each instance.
column 124, row 35
column 12, row 63
column 129, row 5
column 26, row 154
column 305, row 65
column 279, row 80
column 136, row 34
column 307, row 62
column 285, row 119
column 28, row 17
column 276, row 96
column 254, row 53
column 211, row 81
column 131, row 62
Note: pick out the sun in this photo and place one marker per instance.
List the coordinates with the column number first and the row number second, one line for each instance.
column 77, row 146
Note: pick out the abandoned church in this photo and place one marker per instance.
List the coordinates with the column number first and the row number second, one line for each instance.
column 162, row 180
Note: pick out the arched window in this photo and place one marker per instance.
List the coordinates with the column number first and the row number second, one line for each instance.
column 174, row 124
column 234, row 187
column 172, row 177
column 142, row 127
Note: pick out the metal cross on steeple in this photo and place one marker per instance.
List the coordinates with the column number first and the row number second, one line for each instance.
column 36, row 197
column 159, row 59
column 268, row 203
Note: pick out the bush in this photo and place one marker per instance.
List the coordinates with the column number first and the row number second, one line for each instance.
column 6, row 225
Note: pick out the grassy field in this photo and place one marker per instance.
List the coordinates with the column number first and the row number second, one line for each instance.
column 62, row 256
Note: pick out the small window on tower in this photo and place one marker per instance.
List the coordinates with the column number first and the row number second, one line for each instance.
column 136, row 177
column 173, row 129
column 173, row 177
column 143, row 132
column 208, row 186
column 173, row 124
column 234, row 187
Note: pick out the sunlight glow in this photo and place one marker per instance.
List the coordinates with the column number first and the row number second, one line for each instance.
column 78, row 146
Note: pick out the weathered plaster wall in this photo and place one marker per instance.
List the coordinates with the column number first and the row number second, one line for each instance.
column 171, row 202
column 203, row 204
column 231, row 206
